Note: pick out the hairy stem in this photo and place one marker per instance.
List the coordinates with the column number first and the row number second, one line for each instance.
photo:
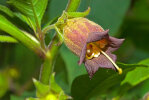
column 49, row 61
column 53, row 48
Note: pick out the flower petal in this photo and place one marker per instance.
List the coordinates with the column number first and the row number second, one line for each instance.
column 114, row 43
column 95, row 36
column 83, row 54
column 100, row 62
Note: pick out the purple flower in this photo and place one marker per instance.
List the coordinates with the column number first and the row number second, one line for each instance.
column 92, row 44
column 97, row 52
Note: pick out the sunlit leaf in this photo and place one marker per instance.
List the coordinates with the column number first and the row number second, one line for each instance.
column 32, row 9
column 138, row 75
column 7, row 39
column 26, row 39
column 83, row 88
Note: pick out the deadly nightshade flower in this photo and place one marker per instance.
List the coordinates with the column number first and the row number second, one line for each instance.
column 92, row 44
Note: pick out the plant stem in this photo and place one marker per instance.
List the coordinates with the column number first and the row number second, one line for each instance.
column 72, row 5
column 53, row 48
column 46, row 29
column 49, row 61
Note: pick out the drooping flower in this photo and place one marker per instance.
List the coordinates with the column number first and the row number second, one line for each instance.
column 92, row 44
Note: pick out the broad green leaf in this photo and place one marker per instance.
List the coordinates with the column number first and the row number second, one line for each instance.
column 6, row 10
column 83, row 88
column 32, row 9
column 7, row 39
column 145, row 62
column 109, row 13
column 26, row 39
column 140, row 10
column 138, row 75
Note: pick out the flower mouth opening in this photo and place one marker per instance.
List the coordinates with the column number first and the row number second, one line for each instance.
column 94, row 49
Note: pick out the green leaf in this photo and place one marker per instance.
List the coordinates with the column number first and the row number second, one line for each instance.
column 145, row 62
column 138, row 75
column 32, row 9
column 6, row 10
column 27, row 20
column 49, row 92
column 83, row 88
column 25, row 38
column 8, row 39
column 109, row 13
column 140, row 10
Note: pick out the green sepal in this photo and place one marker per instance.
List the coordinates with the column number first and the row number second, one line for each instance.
column 49, row 92
column 53, row 85
column 78, row 14
column 41, row 89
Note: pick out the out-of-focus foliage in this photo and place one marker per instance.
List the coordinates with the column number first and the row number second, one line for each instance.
column 46, row 92
column 128, row 19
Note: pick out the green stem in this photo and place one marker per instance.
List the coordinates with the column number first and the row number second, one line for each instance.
column 72, row 5
column 46, row 29
column 53, row 48
column 48, row 65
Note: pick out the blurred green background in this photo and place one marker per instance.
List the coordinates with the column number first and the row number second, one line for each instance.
column 127, row 19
